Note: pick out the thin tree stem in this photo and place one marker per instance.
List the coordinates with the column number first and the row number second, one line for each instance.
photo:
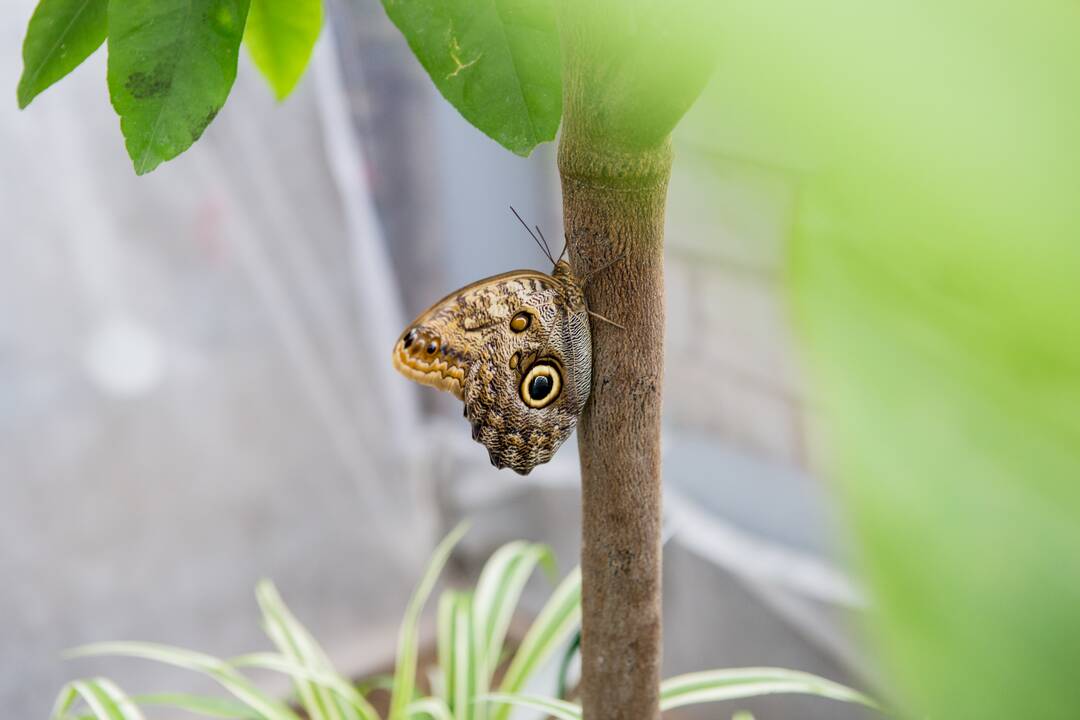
column 613, row 205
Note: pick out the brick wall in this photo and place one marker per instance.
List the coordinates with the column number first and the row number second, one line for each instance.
column 731, row 366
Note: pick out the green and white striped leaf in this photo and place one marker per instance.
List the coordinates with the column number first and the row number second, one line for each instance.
column 327, row 684
column 224, row 674
column 717, row 685
column 105, row 700
column 557, row 621
column 435, row 708
column 297, row 644
column 556, row 708
column 498, row 592
column 408, row 642
column 458, row 650
column 204, row 705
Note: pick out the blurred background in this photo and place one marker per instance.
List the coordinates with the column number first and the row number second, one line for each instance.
column 196, row 391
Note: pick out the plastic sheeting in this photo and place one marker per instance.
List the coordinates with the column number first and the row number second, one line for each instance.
column 194, row 385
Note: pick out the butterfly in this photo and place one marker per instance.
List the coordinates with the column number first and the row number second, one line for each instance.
column 516, row 348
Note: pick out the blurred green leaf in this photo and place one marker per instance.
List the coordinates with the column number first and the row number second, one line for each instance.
column 496, row 61
column 61, row 34
column 636, row 65
column 171, row 66
column 101, row 696
column 280, row 36
column 935, row 265
column 560, row 709
column 435, row 708
column 335, row 698
column 218, row 670
column 735, row 683
column 204, row 705
column 321, row 683
column 408, row 633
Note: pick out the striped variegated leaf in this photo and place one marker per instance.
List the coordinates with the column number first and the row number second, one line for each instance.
column 717, row 685
column 498, row 592
column 557, row 621
column 203, row 705
column 408, row 640
column 102, row 697
column 227, row 676
column 433, row 707
column 296, row 643
column 327, row 683
column 560, row 709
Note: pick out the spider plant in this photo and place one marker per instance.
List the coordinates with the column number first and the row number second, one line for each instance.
column 471, row 639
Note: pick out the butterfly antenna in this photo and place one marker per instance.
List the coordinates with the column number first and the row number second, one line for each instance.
column 541, row 232
column 598, row 316
column 543, row 248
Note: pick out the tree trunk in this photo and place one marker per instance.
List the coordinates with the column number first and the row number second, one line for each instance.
column 613, row 207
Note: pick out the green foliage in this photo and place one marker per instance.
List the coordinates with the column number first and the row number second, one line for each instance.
column 496, row 61
column 471, row 642
column 711, row 686
column 171, row 66
column 61, row 34
column 718, row 685
column 934, row 266
column 280, row 36
column 101, row 696
column 172, row 63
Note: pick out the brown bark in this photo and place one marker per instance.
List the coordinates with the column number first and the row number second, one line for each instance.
column 613, row 206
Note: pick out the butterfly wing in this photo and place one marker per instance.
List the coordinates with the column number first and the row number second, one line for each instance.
column 516, row 349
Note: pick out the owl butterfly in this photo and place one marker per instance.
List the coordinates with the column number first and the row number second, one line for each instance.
column 517, row 349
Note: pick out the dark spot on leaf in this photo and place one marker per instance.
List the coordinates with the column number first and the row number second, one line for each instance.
column 144, row 86
column 199, row 127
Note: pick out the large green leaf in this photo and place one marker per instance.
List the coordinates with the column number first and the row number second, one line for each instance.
column 61, row 34
column 280, row 36
column 171, row 66
column 496, row 61
column 935, row 270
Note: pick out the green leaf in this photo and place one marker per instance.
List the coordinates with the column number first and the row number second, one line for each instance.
column 200, row 705
column 171, row 66
column 105, row 700
column 435, row 708
column 61, row 34
column 496, row 61
column 298, row 645
column 560, row 709
column 461, row 674
column 557, row 621
column 322, row 683
column 280, row 36
column 220, row 671
column 497, row 594
column 935, row 265
column 408, row 641
column 717, row 685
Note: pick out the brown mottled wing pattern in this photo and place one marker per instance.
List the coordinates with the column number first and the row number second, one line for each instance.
column 516, row 348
